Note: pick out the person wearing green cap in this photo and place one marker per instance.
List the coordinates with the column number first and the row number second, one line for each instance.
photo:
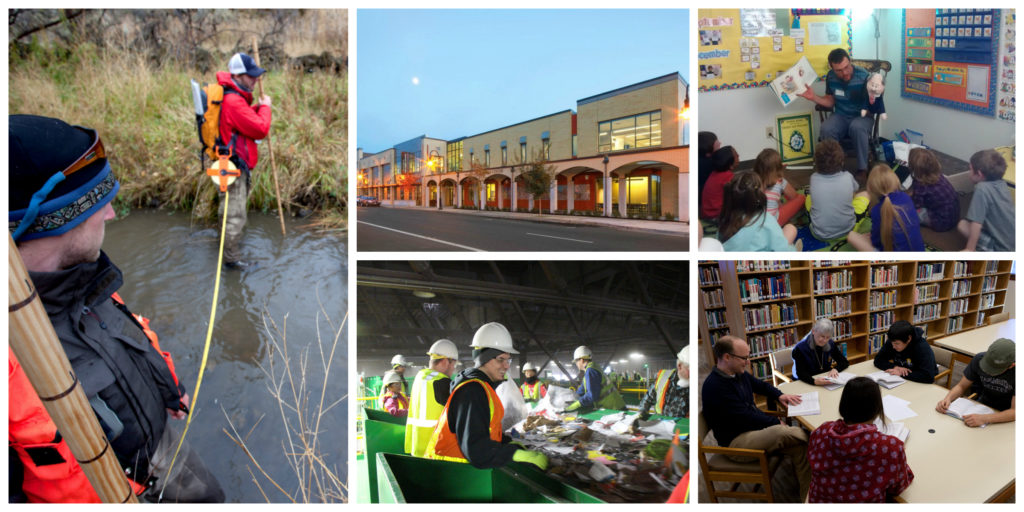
column 991, row 374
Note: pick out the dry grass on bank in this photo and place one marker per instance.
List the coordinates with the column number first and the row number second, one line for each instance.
column 146, row 119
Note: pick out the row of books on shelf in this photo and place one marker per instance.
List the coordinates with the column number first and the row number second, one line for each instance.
column 882, row 299
column 988, row 300
column 961, row 269
column 716, row 319
column 885, row 276
column 957, row 306
column 762, row 344
column 981, row 318
column 769, row 315
column 991, row 267
column 955, row 323
column 760, row 266
column 842, row 329
column 828, row 282
column 926, row 312
column 930, row 271
column 875, row 342
column 833, row 306
column 881, row 321
column 765, row 288
column 961, row 288
column 709, row 276
column 927, row 292
column 989, row 284
column 832, row 263
column 713, row 298
column 761, row 369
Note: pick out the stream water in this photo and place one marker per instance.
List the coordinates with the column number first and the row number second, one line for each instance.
column 301, row 282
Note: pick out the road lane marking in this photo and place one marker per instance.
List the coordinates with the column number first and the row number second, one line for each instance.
column 421, row 236
column 561, row 238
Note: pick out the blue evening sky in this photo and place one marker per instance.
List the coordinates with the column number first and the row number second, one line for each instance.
column 478, row 70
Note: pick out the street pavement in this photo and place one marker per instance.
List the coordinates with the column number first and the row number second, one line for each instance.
column 402, row 229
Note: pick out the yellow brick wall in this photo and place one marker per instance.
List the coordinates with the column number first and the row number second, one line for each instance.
column 664, row 96
column 560, row 126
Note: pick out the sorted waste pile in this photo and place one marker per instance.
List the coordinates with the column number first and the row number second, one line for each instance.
column 618, row 458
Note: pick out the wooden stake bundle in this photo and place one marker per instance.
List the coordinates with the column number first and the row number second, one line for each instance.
column 40, row 354
column 270, row 148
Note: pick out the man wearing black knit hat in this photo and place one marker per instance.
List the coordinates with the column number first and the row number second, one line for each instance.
column 469, row 429
column 61, row 187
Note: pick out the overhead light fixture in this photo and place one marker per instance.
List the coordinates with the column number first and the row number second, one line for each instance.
column 636, row 355
column 622, row 360
column 423, row 294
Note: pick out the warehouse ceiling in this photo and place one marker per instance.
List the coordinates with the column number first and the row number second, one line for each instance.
column 616, row 308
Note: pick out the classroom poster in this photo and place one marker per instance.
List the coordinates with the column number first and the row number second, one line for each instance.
column 795, row 141
column 950, row 57
column 1007, row 90
column 743, row 48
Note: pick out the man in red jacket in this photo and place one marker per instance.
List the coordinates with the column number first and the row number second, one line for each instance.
column 241, row 125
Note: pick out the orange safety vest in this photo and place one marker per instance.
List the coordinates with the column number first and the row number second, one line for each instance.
column 531, row 393
column 443, row 444
column 662, row 385
column 51, row 473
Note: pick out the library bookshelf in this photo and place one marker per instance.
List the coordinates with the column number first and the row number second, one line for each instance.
column 773, row 304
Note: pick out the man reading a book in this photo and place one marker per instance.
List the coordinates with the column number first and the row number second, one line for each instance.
column 728, row 401
column 907, row 354
column 846, row 94
column 992, row 376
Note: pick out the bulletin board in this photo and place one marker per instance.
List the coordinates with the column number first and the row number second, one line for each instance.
column 744, row 48
column 951, row 58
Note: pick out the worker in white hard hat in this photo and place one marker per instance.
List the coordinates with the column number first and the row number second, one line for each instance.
column 430, row 390
column 392, row 399
column 595, row 391
column 469, row 429
column 533, row 389
column 398, row 364
column 670, row 394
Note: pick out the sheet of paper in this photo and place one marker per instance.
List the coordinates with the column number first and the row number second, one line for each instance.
column 977, row 83
column 824, row 34
column 808, row 406
column 896, row 409
column 663, row 429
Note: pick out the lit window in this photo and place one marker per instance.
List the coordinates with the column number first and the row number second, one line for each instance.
column 546, row 144
column 639, row 131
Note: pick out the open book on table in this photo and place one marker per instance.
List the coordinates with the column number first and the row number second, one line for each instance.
column 790, row 83
column 808, row 406
column 962, row 407
column 886, row 380
column 892, row 428
column 839, row 381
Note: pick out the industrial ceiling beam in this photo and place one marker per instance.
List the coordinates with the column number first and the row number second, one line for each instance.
column 380, row 278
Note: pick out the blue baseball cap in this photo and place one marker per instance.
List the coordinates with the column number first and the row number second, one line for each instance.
column 242, row 64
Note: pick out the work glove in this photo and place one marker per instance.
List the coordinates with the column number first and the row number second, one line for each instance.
column 518, row 445
column 573, row 406
column 536, row 458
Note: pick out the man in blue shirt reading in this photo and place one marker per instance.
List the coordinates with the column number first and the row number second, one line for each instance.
column 846, row 93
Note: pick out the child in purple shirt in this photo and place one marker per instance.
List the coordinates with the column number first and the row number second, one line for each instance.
column 936, row 202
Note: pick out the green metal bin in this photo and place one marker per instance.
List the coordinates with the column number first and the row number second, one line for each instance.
column 406, row 479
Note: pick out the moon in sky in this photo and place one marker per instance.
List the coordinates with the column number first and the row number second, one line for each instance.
column 415, row 80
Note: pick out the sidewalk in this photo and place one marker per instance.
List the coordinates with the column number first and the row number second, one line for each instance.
column 653, row 226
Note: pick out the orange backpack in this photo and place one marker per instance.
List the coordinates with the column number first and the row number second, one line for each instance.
column 207, row 101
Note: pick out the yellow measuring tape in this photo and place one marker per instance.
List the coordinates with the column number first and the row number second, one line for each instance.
column 206, row 345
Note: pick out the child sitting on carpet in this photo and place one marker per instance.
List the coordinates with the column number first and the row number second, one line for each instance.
column 989, row 223
column 723, row 161
column 744, row 225
column 834, row 199
column 937, row 203
column 894, row 224
column 769, row 167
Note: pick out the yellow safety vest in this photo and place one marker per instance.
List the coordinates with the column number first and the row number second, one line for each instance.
column 424, row 411
column 662, row 385
column 531, row 393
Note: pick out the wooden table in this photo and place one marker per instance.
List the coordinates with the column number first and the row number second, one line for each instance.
column 977, row 340
column 952, row 463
